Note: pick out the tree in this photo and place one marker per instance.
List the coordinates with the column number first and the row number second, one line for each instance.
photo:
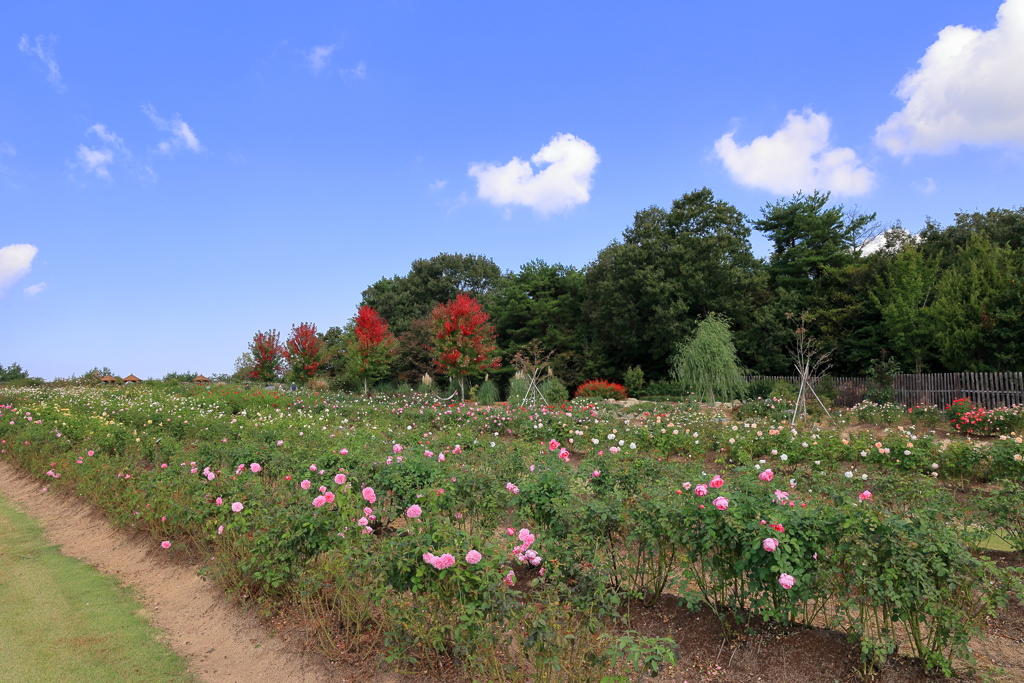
column 903, row 293
column 12, row 372
column 807, row 238
column 267, row 356
column 371, row 347
column 243, row 367
column 967, row 300
column 402, row 299
column 671, row 268
column 302, row 351
column 707, row 362
column 463, row 344
column 541, row 302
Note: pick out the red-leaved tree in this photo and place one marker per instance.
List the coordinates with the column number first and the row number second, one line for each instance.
column 371, row 348
column 463, row 340
column 302, row 351
column 267, row 354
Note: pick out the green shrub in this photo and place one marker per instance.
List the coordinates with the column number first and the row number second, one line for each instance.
column 554, row 391
column 488, row 393
column 634, row 380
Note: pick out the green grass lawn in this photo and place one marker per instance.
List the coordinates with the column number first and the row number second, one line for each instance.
column 62, row 621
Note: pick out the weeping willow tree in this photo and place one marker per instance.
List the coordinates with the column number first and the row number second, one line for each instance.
column 707, row 362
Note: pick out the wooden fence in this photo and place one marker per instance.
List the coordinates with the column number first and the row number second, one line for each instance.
column 990, row 389
column 850, row 390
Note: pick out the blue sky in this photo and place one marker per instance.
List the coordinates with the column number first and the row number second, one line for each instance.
column 175, row 177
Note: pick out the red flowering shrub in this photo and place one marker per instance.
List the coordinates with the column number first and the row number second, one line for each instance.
column 967, row 417
column 601, row 388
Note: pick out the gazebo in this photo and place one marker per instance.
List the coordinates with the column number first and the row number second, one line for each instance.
column 200, row 379
column 131, row 379
column 108, row 380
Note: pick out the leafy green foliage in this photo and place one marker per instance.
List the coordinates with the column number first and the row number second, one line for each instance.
column 707, row 362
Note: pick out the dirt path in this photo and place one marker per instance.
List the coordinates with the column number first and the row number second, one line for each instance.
column 222, row 643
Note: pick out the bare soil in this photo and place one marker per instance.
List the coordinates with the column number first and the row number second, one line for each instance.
column 225, row 643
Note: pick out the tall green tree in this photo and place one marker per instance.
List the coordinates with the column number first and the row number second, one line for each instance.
column 965, row 314
column 671, row 268
column 542, row 302
column 807, row 238
column 402, row 299
column 903, row 294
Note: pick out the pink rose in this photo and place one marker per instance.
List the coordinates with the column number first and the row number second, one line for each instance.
column 866, row 495
column 473, row 557
column 369, row 496
column 219, row 501
column 716, row 482
column 165, row 545
column 767, row 475
column 305, row 484
column 701, row 490
column 319, row 501
column 329, row 496
column 414, row 511
column 781, row 496
column 786, row 581
column 339, row 479
column 397, row 448
column 255, row 467
column 553, row 445
column 237, row 507
column 363, row 521
column 510, row 578
column 721, row 502
column 770, row 544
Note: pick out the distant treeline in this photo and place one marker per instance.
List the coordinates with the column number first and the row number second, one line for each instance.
column 948, row 298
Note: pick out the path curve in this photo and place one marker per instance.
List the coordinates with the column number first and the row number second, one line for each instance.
column 222, row 642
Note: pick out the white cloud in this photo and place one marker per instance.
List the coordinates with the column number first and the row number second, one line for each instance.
column 35, row 289
column 319, row 56
column 15, row 263
column 181, row 133
column 563, row 183
column 438, row 184
column 967, row 89
column 8, row 149
column 108, row 136
column 358, row 71
column 796, row 157
column 96, row 160
column 45, row 54
column 927, row 187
